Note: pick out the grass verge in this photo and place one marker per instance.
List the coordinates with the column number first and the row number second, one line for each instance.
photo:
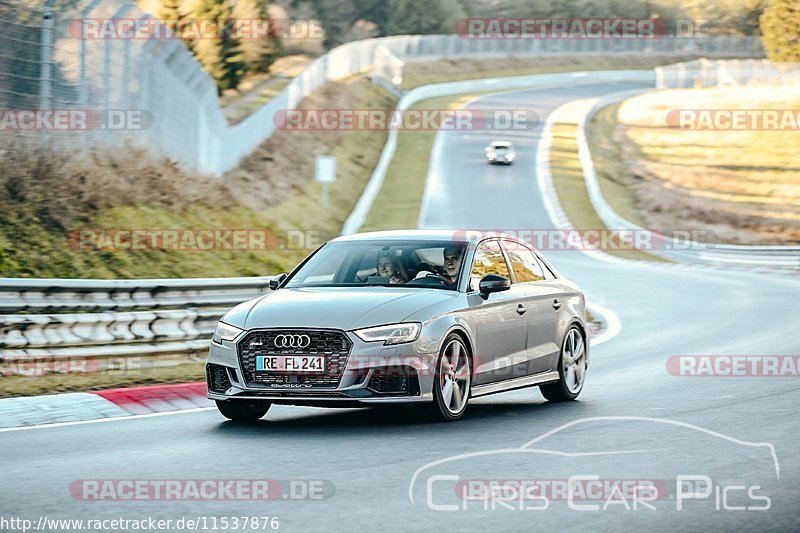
column 616, row 179
column 14, row 386
column 739, row 185
column 46, row 200
column 565, row 167
column 399, row 201
column 424, row 73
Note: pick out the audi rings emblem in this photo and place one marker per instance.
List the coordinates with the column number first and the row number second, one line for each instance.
column 292, row 341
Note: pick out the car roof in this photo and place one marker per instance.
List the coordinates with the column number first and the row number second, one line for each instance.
column 501, row 143
column 454, row 235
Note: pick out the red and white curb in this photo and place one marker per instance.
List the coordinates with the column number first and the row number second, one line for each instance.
column 107, row 404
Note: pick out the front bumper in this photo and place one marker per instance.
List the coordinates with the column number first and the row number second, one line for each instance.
column 373, row 374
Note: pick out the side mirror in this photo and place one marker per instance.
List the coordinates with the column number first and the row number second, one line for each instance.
column 275, row 282
column 493, row 283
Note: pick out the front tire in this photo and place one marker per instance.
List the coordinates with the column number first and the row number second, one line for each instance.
column 572, row 366
column 243, row 410
column 452, row 381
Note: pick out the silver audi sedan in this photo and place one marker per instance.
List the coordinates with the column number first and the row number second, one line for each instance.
column 432, row 318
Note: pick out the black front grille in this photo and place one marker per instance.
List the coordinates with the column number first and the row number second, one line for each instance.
column 217, row 378
column 334, row 345
column 394, row 381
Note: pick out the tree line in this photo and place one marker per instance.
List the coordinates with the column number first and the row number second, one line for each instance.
column 229, row 59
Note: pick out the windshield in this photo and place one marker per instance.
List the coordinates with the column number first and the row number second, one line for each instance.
column 434, row 264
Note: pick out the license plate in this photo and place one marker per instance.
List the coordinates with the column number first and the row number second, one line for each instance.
column 296, row 364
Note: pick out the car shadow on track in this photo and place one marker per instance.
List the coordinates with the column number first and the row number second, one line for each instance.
column 484, row 416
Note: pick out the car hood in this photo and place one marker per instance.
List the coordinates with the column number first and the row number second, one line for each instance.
column 343, row 308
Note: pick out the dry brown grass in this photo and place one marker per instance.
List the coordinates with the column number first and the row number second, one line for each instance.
column 425, row 72
column 14, row 386
column 744, row 186
column 43, row 197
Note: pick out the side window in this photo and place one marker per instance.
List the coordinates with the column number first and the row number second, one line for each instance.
column 524, row 264
column 548, row 274
column 488, row 260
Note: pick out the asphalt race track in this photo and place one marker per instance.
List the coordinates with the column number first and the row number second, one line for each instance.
column 716, row 427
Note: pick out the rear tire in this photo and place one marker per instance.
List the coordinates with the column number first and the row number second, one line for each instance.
column 243, row 410
column 572, row 365
column 452, row 380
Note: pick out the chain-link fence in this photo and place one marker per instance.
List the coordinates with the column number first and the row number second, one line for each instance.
column 70, row 90
column 65, row 88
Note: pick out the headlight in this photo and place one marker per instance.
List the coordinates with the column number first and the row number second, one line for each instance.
column 225, row 332
column 392, row 334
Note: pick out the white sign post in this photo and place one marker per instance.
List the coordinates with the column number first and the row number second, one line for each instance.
column 325, row 174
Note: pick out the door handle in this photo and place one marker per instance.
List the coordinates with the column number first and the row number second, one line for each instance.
column 521, row 309
column 556, row 304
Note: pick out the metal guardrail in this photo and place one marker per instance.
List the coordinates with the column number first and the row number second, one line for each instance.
column 706, row 72
column 782, row 257
column 47, row 295
column 64, row 319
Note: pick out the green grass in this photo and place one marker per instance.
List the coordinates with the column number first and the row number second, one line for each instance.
column 257, row 101
column 399, row 201
column 31, row 245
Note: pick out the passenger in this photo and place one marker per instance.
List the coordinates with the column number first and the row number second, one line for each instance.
column 389, row 267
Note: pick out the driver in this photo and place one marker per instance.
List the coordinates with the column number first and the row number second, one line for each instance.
column 452, row 260
column 451, row 263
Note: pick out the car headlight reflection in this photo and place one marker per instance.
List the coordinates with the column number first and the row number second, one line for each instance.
column 225, row 332
column 391, row 334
